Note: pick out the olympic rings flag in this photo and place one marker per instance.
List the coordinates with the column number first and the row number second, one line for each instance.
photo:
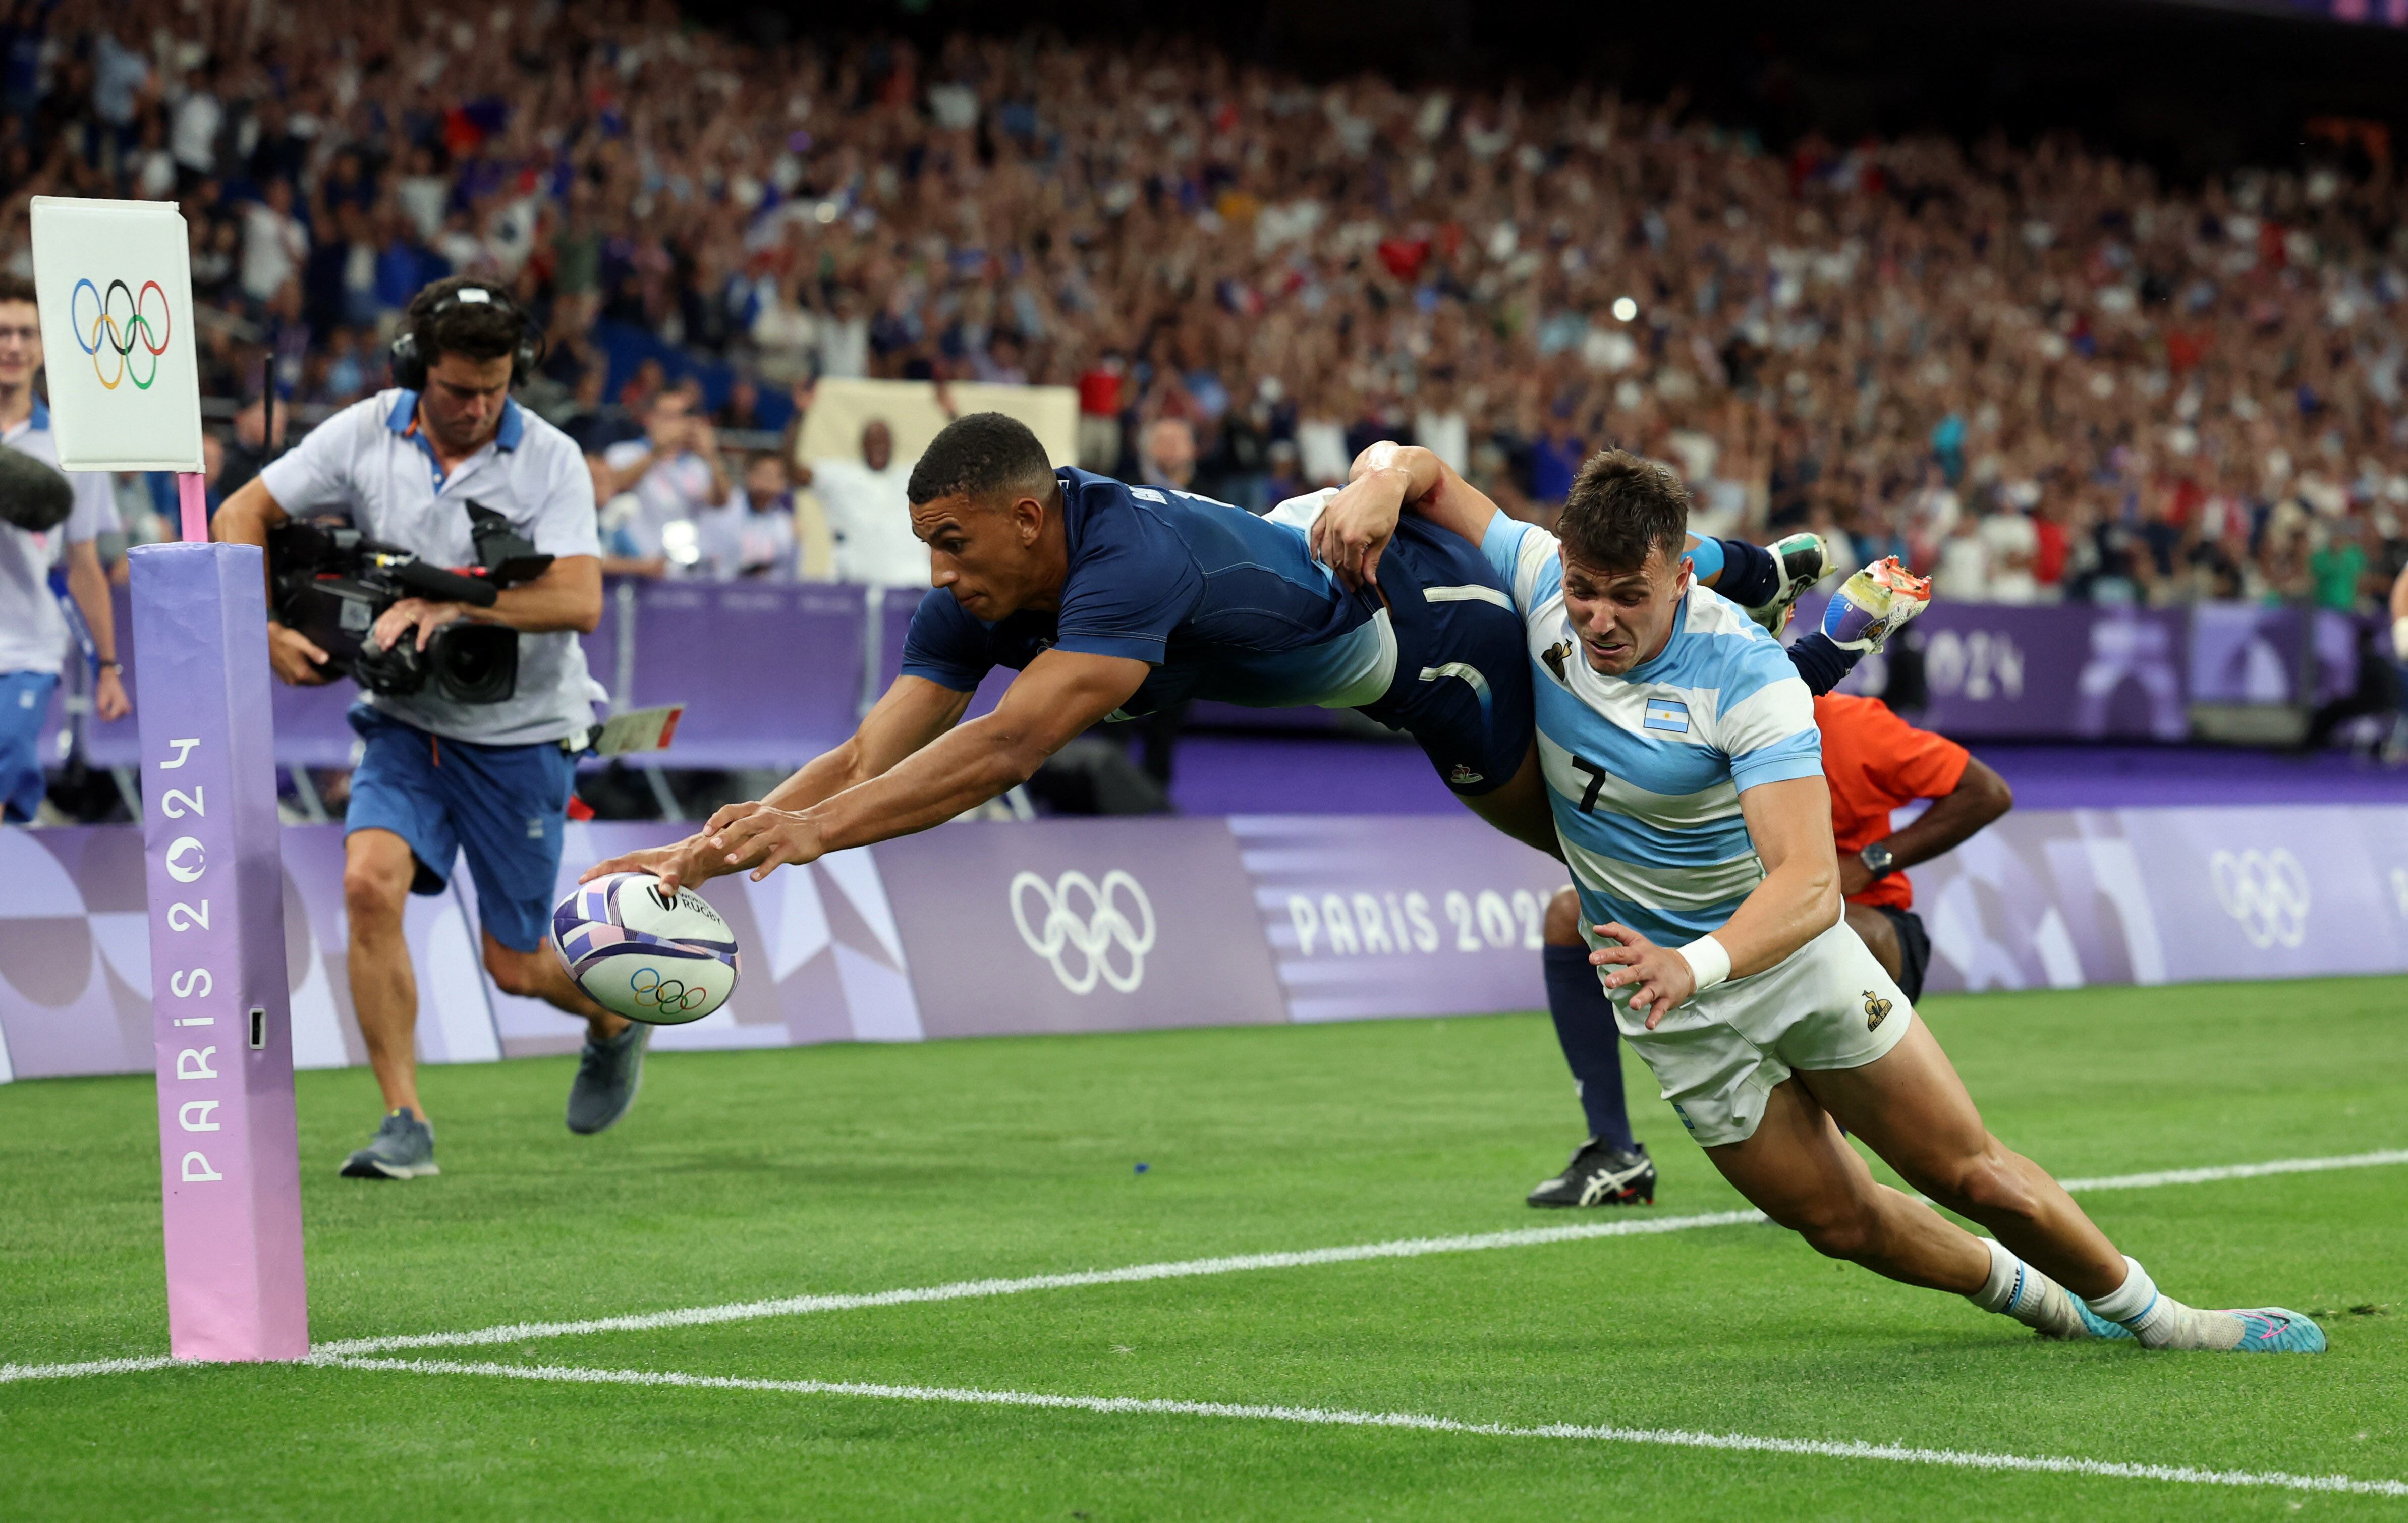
column 120, row 345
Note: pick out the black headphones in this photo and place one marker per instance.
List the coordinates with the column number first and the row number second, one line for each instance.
column 409, row 365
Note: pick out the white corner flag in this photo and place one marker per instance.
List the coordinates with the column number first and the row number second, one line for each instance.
column 121, row 349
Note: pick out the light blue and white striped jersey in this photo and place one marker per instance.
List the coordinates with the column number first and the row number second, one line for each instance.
column 1644, row 771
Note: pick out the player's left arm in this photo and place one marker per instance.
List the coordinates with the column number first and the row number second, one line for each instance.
column 1790, row 822
column 1980, row 796
column 88, row 584
column 1058, row 697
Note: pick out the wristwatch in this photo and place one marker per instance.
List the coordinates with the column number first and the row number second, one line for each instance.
column 1879, row 860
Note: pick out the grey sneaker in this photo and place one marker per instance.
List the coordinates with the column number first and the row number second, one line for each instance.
column 402, row 1148
column 608, row 1073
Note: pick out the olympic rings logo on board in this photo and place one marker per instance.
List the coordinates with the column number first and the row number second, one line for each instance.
column 1063, row 933
column 2266, row 892
column 664, row 993
column 122, row 337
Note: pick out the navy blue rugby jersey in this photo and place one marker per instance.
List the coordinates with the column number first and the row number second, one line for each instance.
column 1222, row 604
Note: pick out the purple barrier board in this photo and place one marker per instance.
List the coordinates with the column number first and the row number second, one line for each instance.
column 992, row 928
column 1079, row 926
column 1372, row 915
column 771, row 675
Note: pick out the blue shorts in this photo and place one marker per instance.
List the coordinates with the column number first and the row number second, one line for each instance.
column 24, row 703
column 1463, row 671
column 507, row 806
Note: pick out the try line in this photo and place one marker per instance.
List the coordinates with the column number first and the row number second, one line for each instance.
column 1669, row 1437
column 694, row 1317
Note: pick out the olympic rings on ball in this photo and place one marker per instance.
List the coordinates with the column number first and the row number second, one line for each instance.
column 111, row 334
column 664, row 993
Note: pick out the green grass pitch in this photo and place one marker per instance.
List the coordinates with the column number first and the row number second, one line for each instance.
column 861, row 1169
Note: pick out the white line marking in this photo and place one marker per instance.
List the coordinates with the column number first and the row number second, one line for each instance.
column 2239, row 1171
column 692, row 1316
column 88, row 1367
column 1673, row 1437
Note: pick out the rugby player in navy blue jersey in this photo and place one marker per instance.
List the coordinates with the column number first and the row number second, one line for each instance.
column 1114, row 602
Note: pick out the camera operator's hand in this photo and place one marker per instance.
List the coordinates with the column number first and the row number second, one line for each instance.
column 295, row 658
column 427, row 617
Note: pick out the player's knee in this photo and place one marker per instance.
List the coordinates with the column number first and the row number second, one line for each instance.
column 1986, row 1185
column 1841, row 1231
column 373, row 896
column 515, row 972
column 1563, row 928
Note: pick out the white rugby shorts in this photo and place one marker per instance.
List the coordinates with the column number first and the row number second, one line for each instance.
column 1828, row 1005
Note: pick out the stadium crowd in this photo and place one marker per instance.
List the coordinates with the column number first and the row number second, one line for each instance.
column 2037, row 372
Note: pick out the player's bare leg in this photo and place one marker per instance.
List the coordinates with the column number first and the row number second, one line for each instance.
column 1798, row 1170
column 538, row 975
column 376, row 872
column 1912, row 1109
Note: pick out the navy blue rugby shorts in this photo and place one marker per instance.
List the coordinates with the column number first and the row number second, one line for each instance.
column 1463, row 673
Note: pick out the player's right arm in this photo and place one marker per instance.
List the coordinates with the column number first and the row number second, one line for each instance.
column 244, row 519
column 911, row 713
column 1355, row 528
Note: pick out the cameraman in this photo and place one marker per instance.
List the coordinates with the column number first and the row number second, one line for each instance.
column 439, row 776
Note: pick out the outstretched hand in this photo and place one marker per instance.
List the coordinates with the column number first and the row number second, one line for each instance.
column 1661, row 977
column 680, row 864
column 1354, row 530
column 762, row 839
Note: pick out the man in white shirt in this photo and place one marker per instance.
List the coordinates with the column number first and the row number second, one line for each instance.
column 437, row 776
column 869, row 514
column 675, row 473
column 33, row 632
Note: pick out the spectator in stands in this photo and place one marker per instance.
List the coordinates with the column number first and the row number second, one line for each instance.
column 673, row 473
column 752, row 536
column 1907, row 331
column 1167, row 455
column 869, row 512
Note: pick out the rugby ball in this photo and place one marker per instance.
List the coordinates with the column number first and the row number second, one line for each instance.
column 650, row 956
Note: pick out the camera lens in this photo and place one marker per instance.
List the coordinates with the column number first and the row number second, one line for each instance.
column 475, row 663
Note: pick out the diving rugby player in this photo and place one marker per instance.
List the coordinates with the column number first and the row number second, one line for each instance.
column 1683, row 771
column 1114, row 602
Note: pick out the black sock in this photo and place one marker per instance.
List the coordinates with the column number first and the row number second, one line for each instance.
column 1820, row 660
column 1591, row 1045
column 1750, row 575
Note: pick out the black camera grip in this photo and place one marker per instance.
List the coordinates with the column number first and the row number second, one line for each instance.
column 445, row 586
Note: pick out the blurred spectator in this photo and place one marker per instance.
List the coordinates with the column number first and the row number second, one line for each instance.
column 2133, row 390
column 869, row 512
column 666, row 479
column 752, row 536
column 1167, row 457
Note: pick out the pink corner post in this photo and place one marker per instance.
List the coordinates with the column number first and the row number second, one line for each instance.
column 192, row 499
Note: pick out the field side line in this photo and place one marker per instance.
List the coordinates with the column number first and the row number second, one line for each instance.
column 1402, row 1248
column 2239, row 1171
column 87, row 1367
column 971, row 1289
column 1183, row 1269
column 1669, row 1437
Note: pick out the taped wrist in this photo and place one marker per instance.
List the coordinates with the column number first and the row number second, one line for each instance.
column 1708, row 962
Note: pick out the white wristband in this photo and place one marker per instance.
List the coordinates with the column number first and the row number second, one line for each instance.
column 1708, row 962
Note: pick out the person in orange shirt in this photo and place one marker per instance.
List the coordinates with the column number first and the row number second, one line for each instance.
column 1875, row 762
